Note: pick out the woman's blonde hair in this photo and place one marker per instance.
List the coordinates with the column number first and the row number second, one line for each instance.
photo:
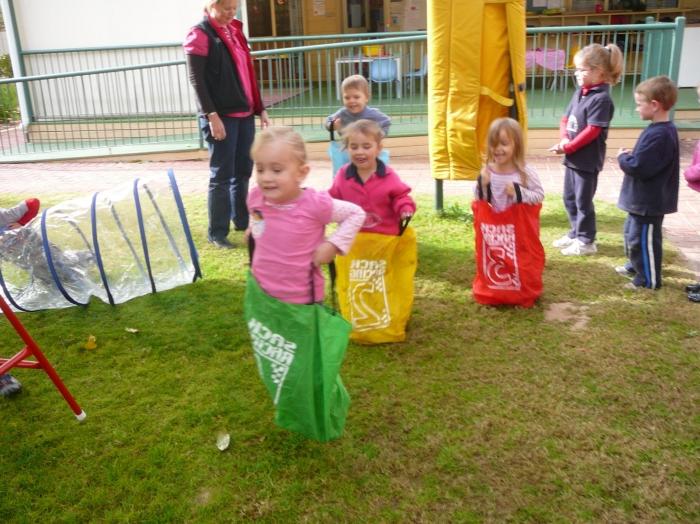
column 365, row 127
column 607, row 58
column 514, row 133
column 284, row 135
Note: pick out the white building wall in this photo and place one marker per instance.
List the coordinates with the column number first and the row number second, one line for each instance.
column 689, row 74
column 79, row 24
column 55, row 24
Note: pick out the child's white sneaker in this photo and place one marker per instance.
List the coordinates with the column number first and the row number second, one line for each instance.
column 564, row 241
column 578, row 248
column 625, row 271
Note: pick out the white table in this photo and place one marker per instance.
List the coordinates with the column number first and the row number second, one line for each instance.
column 339, row 62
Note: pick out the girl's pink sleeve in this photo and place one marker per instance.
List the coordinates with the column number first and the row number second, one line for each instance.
column 534, row 192
column 692, row 173
column 401, row 200
column 350, row 218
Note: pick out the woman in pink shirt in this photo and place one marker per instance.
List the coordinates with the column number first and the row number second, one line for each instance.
column 288, row 222
column 222, row 75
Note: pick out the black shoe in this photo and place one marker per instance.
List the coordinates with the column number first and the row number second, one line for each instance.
column 694, row 297
column 9, row 385
column 223, row 243
column 692, row 288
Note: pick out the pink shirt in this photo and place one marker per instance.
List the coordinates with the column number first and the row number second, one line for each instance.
column 692, row 174
column 286, row 236
column 197, row 43
column 383, row 197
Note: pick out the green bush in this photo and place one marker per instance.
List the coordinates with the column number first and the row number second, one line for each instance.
column 8, row 92
column 5, row 66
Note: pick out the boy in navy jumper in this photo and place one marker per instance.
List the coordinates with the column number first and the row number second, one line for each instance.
column 650, row 185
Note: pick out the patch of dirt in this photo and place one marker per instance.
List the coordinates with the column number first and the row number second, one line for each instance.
column 203, row 497
column 575, row 314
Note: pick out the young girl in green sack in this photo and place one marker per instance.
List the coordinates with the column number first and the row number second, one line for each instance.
column 298, row 344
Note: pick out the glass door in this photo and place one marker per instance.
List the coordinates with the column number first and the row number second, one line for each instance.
column 376, row 16
column 356, row 16
column 274, row 18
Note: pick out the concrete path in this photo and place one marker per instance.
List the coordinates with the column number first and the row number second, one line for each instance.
column 682, row 228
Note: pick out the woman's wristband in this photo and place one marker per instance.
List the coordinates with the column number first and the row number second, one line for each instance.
column 212, row 113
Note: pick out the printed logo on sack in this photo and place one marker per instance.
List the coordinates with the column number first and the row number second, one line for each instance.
column 499, row 260
column 273, row 353
column 369, row 304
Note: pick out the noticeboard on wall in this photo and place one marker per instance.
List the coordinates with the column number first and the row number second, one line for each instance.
column 408, row 15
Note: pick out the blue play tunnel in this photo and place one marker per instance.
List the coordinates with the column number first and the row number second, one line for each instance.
column 116, row 245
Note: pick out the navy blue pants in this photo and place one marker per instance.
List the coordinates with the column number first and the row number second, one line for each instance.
column 579, row 190
column 643, row 247
column 230, row 167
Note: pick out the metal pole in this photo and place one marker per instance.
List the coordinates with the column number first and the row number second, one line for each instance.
column 438, row 195
column 18, row 60
column 676, row 48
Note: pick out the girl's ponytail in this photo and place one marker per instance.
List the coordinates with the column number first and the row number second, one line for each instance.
column 608, row 59
column 614, row 71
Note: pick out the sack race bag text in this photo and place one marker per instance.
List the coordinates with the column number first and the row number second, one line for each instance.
column 375, row 286
column 299, row 350
column 509, row 254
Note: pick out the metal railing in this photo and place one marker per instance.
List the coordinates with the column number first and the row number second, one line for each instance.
column 138, row 98
column 649, row 49
column 98, row 110
column 49, row 61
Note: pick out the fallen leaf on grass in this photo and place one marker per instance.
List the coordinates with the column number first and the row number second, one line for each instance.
column 222, row 441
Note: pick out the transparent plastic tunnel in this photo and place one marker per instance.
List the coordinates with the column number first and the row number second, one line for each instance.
column 118, row 244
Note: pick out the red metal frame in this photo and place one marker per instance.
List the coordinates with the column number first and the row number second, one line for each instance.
column 32, row 350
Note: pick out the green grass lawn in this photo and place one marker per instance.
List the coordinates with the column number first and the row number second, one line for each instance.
column 482, row 415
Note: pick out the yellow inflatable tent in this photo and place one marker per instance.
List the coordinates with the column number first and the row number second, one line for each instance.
column 477, row 74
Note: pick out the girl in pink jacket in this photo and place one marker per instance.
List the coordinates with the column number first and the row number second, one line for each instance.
column 692, row 176
column 371, row 184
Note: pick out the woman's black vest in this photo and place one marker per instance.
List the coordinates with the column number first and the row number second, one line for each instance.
column 221, row 75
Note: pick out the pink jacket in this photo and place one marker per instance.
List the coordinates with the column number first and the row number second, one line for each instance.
column 692, row 174
column 383, row 197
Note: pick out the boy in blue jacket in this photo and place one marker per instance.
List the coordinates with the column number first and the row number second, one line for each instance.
column 650, row 185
